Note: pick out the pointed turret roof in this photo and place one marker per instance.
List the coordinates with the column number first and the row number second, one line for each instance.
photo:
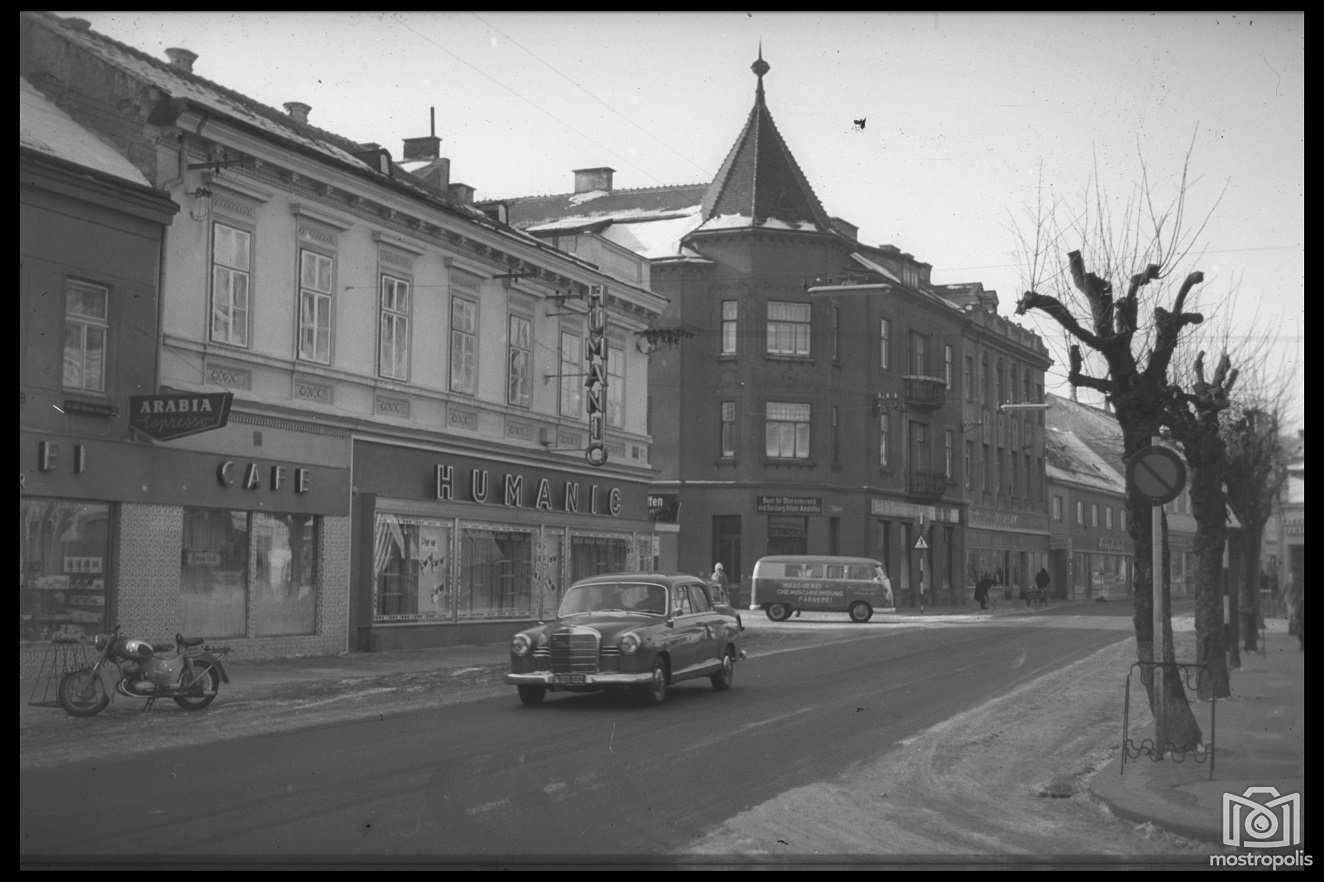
column 760, row 184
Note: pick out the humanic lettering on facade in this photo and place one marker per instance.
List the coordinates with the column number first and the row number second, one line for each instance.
column 540, row 494
column 596, row 384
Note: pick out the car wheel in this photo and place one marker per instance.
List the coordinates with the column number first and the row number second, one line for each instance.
column 656, row 690
column 779, row 612
column 532, row 696
column 723, row 679
column 860, row 611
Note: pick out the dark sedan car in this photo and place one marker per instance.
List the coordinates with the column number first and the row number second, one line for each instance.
column 627, row 632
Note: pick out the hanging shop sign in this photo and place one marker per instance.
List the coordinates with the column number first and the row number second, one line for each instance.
column 596, row 384
column 165, row 417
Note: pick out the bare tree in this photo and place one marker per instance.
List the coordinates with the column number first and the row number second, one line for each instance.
column 1128, row 363
column 1194, row 418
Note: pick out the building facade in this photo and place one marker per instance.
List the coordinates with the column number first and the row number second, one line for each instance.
column 1092, row 554
column 481, row 387
column 806, row 392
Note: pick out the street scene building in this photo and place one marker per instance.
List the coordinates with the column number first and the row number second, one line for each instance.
column 811, row 393
column 1092, row 554
column 483, row 387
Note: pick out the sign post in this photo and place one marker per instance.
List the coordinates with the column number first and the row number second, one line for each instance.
column 921, row 546
column 1158, row 474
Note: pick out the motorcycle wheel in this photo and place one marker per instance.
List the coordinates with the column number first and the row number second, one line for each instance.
column 82, row 694
column 202, row 692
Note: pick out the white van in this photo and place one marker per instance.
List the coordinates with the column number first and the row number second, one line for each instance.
column 786, row 583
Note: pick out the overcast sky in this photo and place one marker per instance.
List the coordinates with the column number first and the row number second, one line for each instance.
column 961, row 111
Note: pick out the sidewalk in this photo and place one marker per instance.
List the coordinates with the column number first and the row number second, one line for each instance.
column 1259, row 741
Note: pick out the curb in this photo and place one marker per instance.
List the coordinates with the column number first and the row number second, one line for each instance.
column 1116, row 803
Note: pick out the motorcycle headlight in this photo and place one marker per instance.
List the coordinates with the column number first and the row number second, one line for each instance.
column 521, row 644
column 629, row 643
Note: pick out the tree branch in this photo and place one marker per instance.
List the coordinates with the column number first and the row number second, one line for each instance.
column 1053, row 308
column 1076, row 378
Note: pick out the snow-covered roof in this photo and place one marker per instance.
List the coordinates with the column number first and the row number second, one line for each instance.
column 631, row 214
column 1067, row 458
column 47, row 129
column 874, row 267
column 654, row 239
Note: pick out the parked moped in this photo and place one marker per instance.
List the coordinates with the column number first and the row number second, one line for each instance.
column 185, row 670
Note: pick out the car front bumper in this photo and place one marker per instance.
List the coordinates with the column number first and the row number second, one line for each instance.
column 547, row 678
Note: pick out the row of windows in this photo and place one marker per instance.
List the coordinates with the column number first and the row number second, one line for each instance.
column 231, row 310
column 1093, row 512
column 787, row 436
column 789, row 329
column 88, row 319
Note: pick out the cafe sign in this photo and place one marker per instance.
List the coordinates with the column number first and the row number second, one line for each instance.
column 165, row 417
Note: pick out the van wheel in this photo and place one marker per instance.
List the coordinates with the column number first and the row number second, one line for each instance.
column 860, row 612
column 779, row 612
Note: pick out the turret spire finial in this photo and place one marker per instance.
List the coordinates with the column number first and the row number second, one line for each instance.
column 760, row 67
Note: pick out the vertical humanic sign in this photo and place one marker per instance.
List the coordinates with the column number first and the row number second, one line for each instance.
column 596, row 383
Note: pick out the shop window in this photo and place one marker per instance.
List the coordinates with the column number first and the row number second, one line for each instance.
column 214, row 573
column 788, row 534
column 285, row 575
column 592, row 555
column 496, row 574
column 62, row 564
column 218, row 588
column 409, row 573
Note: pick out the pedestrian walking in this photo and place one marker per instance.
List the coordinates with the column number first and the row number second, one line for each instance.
column 1041, row 582
column 1294, row 605
column 982, row 587
column 719, row 575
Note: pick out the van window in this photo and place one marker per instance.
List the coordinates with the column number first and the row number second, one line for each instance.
column 807, row 571
column 837, row 571
column 862, row 573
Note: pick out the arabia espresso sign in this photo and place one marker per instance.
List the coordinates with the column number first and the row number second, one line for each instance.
column 165, row 417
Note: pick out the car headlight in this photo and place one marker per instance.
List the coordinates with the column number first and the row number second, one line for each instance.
column 629, row 643
column 521, row 644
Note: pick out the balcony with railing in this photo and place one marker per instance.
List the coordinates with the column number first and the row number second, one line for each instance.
column 924, row 392
column 926, row 483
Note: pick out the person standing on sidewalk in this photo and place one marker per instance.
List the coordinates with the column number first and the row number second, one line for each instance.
column 1041, row 582
column 982, row 587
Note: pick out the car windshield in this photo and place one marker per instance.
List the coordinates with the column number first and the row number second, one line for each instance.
column 614, row 596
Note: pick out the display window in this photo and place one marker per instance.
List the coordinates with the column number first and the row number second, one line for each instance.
column 63, row 547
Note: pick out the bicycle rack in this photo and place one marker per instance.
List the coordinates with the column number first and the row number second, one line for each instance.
column 64, row 654
column 1190, row 674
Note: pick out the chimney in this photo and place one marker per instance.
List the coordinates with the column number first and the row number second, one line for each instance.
column 436, row 174
column 424, row 148
column 588, row 180
column 181, row 59
column 297, row 110
column 77, row 24
column 461, row 193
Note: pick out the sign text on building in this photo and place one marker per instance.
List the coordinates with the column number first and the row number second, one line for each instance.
column 789, row 504
column 164, row 417
column 596, row 383
column 542, row 494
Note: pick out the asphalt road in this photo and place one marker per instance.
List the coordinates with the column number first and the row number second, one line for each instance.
column 579, row 777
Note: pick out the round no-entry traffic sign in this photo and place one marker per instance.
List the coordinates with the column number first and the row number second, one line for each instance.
column 1157, row 473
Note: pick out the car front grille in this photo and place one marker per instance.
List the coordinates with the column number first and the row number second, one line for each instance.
column 574, row 652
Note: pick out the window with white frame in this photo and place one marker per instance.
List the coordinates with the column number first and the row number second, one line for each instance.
column 86, row 328
column 1080, row 513
column 947, row 365
column 1057, row 508
column 394, row 344
column 885, row 343
column 948, row 451
column 572, row 375
column 787, row 430
column 728, row 434
column 231, row 284
column 315, row 302
column 1094, row 514
column 464, row 346
column 788, row 328
column 884, row 438
column 1108, row 517
column 615, row 386
column 730, row 318
column 519, row 362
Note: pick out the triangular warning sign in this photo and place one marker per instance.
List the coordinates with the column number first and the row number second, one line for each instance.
column 921, row 545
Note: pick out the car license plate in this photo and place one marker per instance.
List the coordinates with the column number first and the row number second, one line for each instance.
column 568, row 679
